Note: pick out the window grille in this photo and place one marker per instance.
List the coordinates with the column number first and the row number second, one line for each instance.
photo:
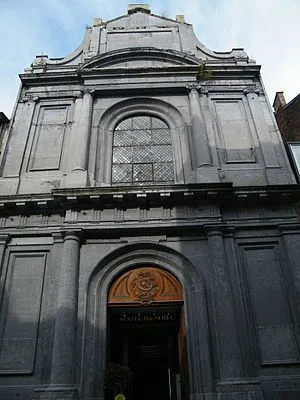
column 142, row 151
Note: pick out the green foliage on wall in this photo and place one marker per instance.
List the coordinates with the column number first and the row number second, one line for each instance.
column 202, row 73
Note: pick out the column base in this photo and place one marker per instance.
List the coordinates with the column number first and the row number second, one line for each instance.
column 239, row 390
column 203, row 396
column 56, row 392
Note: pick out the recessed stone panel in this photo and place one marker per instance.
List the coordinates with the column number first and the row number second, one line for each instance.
column 234, row 132
column 49, row 138
column 269, row 303
column 20, row 312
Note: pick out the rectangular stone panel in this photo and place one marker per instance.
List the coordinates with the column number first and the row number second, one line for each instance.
column 49, row 138
column 20, row 312
column 142, row 38
column 269, row 303
column 234, row 131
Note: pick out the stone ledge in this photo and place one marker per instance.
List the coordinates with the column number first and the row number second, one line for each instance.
column 151, row 196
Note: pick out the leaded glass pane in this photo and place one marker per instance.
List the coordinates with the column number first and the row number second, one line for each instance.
column 162, row 153
column 141, row 136
column 142, row 151
column 125, row 124
column 122, row 155
column 158, row 123
column 123, row 138
column 122, row 173
column 142, row 154
column 142, row 172
column 141, row 122
column 161, row 136
column 163, row 172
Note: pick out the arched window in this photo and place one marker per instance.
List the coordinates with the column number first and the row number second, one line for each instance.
column 142, row 151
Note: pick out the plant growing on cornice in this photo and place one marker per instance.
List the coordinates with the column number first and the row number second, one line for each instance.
column 202, row 73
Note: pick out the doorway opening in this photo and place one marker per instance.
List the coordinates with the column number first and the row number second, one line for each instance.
column 147, row 333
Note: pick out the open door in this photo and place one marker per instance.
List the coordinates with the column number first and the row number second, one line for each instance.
column 147, row 333
column 182, row 378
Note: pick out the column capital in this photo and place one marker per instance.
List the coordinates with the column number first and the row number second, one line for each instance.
column 252, row 89
column 214, row 229
column 29, row 97
column 78, row 95
column 289, row 228
column 4, row 239
column 75, row 234
column 57, row 237
column 229, row 231
column 192, row 87
column 203, row 90
column 89, row 91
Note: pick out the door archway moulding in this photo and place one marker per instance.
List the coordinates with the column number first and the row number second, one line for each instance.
column 134, row 256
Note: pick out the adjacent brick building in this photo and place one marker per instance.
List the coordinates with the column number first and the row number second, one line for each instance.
column 288, row 117
column 288, row 120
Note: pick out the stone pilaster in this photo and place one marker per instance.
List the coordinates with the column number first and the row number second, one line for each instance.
column 274, row 173
column 66, row 315
column 78, row 175
column 4, row 239
column 13, row 155
column 205, row 172
column 64, row 347
column 229, row 365
column 198, row 129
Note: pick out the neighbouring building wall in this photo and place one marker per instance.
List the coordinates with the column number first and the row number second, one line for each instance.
column 288, row 120
column 288, row 117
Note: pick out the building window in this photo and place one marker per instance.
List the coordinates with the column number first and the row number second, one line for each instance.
column 142, row 151
column 294, row 153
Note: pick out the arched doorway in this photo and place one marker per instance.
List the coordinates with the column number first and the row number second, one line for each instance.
column 146, row 333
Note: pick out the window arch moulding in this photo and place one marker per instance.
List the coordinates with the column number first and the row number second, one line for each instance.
column 192, row 282
column 142, row 106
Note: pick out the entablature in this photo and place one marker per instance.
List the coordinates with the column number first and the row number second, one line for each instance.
column 221, row 75
column 152, row 196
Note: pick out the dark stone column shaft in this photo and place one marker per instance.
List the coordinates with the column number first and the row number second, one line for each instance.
column 3, row 243
column 228, row 355
column 63, row 357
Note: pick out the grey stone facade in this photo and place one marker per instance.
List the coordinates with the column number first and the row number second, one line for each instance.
column 4, row 122
column 223, row 223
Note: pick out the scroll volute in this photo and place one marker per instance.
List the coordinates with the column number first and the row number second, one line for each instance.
column 145, row 285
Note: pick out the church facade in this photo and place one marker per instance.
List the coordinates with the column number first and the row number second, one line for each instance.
column 147, row 224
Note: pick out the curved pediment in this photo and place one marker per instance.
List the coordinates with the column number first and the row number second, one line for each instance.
column 140, row 57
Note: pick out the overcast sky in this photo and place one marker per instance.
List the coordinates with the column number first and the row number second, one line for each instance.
column 266, row 29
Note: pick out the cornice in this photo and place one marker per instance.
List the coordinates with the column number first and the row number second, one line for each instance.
column 151, row 196
column 219, row 71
